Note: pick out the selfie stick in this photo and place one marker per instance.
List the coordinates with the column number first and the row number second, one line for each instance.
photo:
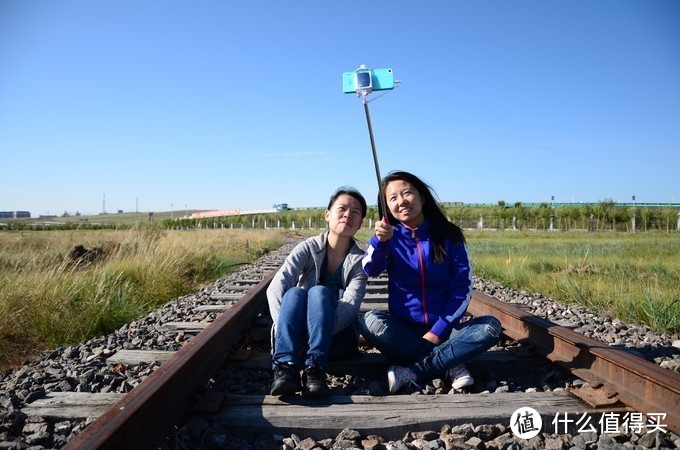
column 381, row 194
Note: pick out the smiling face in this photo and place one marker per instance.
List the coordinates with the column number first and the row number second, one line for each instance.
column 405, row 203
column 345, row 216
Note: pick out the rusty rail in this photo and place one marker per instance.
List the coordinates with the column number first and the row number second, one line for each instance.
column 613, row 373
column 157, row 404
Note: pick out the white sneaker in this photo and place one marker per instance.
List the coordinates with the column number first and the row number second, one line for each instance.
column 398, row 377
column 459, row 376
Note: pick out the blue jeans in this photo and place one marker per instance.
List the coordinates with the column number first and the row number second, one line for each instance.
column 404, row 344
column 304, row 331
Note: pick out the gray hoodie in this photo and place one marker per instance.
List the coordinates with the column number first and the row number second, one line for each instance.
column 302, row 268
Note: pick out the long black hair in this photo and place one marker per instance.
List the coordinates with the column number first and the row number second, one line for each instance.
column 441, row 227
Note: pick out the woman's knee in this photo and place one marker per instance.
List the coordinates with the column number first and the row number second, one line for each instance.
column 494, row 327
column 294, row 299
column 491, row 327
column 294, row 292
column 321, row 294
column 373, row 322
column 318, row 290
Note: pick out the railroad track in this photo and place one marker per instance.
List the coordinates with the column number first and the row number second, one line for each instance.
column 188, row 382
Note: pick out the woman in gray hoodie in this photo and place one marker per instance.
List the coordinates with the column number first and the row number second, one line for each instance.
column 314, row 300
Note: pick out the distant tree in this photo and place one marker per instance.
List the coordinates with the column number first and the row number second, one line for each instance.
column 669, row 216
column 543, row 215
column 603, row 211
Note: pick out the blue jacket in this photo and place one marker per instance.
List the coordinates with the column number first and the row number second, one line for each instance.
column 433, row 296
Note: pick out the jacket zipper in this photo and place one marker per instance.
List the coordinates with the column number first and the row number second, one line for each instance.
column 422, row 273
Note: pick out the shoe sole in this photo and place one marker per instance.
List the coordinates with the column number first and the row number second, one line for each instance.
column 391, row 382
column 467, row 381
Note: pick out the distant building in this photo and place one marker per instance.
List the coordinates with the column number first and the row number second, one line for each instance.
column 216, row 213
column 15, row 215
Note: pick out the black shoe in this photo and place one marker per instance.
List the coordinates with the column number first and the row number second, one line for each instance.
column 286, row 379
column 315, row 382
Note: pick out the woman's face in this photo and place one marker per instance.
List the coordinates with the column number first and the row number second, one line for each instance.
column 405, row 203
column 344, row 217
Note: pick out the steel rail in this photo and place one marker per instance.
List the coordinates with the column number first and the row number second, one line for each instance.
column 150, row 411
column 615, row 373
column 157, row 404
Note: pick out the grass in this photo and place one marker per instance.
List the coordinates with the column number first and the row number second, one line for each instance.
column 634, row 277
column 50, row 299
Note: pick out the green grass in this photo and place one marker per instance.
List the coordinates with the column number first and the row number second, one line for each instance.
column 47, row 301
column 634, row 277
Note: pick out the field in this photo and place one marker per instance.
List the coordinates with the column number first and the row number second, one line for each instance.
column 53, row 293
column 634, row 277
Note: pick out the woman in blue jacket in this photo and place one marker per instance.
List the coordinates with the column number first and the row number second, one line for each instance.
column 430, row 285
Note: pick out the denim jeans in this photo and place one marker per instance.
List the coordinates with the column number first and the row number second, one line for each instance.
column 404, row 344
column 304, row 332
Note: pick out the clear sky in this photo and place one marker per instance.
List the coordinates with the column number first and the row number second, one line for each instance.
column 215, row 104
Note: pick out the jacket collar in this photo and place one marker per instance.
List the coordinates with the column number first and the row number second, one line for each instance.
column 419, row 232
column 322, row 240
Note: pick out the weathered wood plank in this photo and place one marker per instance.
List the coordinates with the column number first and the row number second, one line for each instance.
column 389, row 416
column 212, row 308
column 376, row 288
column 191, row 327
column 225, row 296
column 498, row 361
column 72, row 404
column 370, row 297
column 368, row 306
column 134, row 357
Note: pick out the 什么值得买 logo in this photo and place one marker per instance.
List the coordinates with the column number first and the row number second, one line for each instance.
column 526, row 423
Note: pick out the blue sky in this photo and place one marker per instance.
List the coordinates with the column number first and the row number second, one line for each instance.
column 208, row 104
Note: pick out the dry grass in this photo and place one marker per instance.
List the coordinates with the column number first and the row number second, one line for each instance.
column 49, row 297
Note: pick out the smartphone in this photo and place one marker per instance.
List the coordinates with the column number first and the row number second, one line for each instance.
column 381, row 79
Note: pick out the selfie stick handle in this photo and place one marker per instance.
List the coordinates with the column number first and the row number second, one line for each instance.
column 381, row 194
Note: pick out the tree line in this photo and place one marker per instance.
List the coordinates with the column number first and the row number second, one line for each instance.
column 603, row 216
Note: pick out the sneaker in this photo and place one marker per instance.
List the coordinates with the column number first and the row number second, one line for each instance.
column 398, row 377
column 315, row 382
column 286, row 379
column 459, row 376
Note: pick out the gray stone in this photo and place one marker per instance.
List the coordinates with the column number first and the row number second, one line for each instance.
column 348, row 435
column 466, row 430
column 398, row 445
column 475, row 442
column 487, row 432
column 555, row 443
column 426, row 435
column 647, row 440
column 504, row 441
column 590, row 437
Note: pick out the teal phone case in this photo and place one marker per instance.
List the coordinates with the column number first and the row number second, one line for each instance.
column 348, row 82
column 382, row 79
